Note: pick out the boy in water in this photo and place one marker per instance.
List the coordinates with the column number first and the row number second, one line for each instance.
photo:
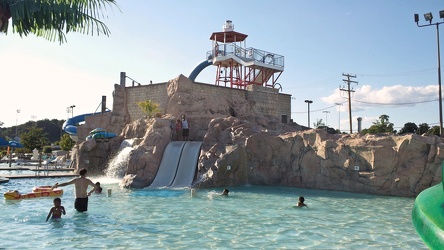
column 225, row 192
column 98, row 188
column 57, row 210
column 301, row 202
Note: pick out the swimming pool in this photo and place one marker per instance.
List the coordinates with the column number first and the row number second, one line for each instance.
column 250, row 218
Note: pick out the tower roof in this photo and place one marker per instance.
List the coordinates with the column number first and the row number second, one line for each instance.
column 228, row 37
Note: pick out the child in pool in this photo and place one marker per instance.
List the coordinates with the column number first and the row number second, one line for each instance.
column 225, row 192
column 301, row 202
column 98, row 189
column 57, row 210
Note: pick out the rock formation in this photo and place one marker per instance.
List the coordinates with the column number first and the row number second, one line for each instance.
column 258, row 150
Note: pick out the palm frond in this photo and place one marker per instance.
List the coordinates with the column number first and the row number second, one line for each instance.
column 53, row 19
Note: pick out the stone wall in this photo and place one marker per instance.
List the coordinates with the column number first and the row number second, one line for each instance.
column 267, row 101
column 155, row 92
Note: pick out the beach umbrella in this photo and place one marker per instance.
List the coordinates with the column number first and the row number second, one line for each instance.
column 3, row 142
column 15, row 144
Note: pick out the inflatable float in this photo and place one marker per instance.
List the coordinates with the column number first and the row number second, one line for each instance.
column 427, row 215
column 37, row 192
column 100, row 133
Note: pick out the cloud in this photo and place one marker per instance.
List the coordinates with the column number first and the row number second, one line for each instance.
column 388, row 96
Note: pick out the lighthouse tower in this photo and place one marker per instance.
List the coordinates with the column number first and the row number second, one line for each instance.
column 239, row 66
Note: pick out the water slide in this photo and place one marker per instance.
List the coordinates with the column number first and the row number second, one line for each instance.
column 427, row 215
column 201, row 66
column 178, row 165
column 168, row 166
column 70, row 125
column 187, row 164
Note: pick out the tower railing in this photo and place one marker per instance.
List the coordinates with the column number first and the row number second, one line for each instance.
column 248, row 54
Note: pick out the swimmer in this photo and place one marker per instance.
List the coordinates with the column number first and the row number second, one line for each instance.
column 81, row 185
column 98, row 188
column 225, row 192
column 301, row 202
column 57, row 210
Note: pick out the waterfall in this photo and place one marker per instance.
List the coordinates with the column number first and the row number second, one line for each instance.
column 118, row 165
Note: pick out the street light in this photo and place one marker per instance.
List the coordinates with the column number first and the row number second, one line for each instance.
column 339, row 114
column 72, row 110
column 16, row 122
column 308, row 103
column 326, row 112
column 429, row 17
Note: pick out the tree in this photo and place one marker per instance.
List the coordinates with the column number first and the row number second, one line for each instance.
column 318, row 123
column 47, row 150
column 66, row 142
column 423, row 128
column 52, row 19
column 34, row 138
column 434, row 130
column 409, row 127
column 149, row 108
column 381, row 126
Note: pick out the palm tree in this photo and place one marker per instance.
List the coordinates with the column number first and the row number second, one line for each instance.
column 52, row 19
column 149, row 108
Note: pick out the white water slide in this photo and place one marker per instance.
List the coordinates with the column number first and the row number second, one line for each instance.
column 178, row 165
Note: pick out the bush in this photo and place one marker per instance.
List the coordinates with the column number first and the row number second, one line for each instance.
column 47, row 150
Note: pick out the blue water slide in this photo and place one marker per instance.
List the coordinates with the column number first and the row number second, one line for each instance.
column 70, row 125
column 201, row 66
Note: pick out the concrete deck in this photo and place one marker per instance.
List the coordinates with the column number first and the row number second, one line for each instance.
column 38, row 172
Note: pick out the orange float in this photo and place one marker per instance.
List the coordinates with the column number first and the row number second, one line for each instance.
column 37, row 192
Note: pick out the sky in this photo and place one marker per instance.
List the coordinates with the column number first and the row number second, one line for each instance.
column 394, row 61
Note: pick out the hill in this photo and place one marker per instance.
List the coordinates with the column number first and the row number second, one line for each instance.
column 51, row 128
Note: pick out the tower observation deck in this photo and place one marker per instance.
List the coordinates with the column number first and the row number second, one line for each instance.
column 239, row 66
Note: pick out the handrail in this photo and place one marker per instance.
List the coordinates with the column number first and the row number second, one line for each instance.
column 256, row 55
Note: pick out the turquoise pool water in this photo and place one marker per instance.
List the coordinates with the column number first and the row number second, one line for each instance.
column 250, row 218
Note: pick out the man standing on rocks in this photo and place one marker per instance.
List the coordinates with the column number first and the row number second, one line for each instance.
column 185, row 128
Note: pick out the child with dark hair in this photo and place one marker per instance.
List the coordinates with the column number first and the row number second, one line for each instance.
column 225, row 192
column 301, row 202
column 57, row 210
column 98, row 188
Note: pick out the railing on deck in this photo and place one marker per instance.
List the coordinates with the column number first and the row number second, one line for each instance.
column 247, row 54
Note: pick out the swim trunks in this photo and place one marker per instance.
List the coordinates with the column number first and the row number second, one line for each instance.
column 185, row 132
column 81, row 204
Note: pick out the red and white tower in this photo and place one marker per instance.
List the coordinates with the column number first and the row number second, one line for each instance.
column 240, row 66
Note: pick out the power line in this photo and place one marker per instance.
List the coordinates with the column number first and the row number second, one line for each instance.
column 407, row 73
column 395, row 104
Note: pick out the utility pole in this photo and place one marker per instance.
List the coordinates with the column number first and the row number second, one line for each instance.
column 349, row 91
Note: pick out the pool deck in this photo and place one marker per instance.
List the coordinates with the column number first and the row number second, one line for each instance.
column 39, row 172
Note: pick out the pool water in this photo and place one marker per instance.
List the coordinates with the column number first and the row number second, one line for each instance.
column 250, row 217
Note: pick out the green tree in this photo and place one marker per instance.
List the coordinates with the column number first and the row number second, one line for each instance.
column 47, row 150
column 409, row 127
column 149, row 108
column 423, row 128
column 52, row 19
column 381, row 126
column 318, row 123
column 34, row 138
column 66, row 142
column 434, row 130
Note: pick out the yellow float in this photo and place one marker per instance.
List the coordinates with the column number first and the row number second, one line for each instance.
column 37, row 192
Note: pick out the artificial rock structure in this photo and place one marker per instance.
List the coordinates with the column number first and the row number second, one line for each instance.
column 247, row 142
